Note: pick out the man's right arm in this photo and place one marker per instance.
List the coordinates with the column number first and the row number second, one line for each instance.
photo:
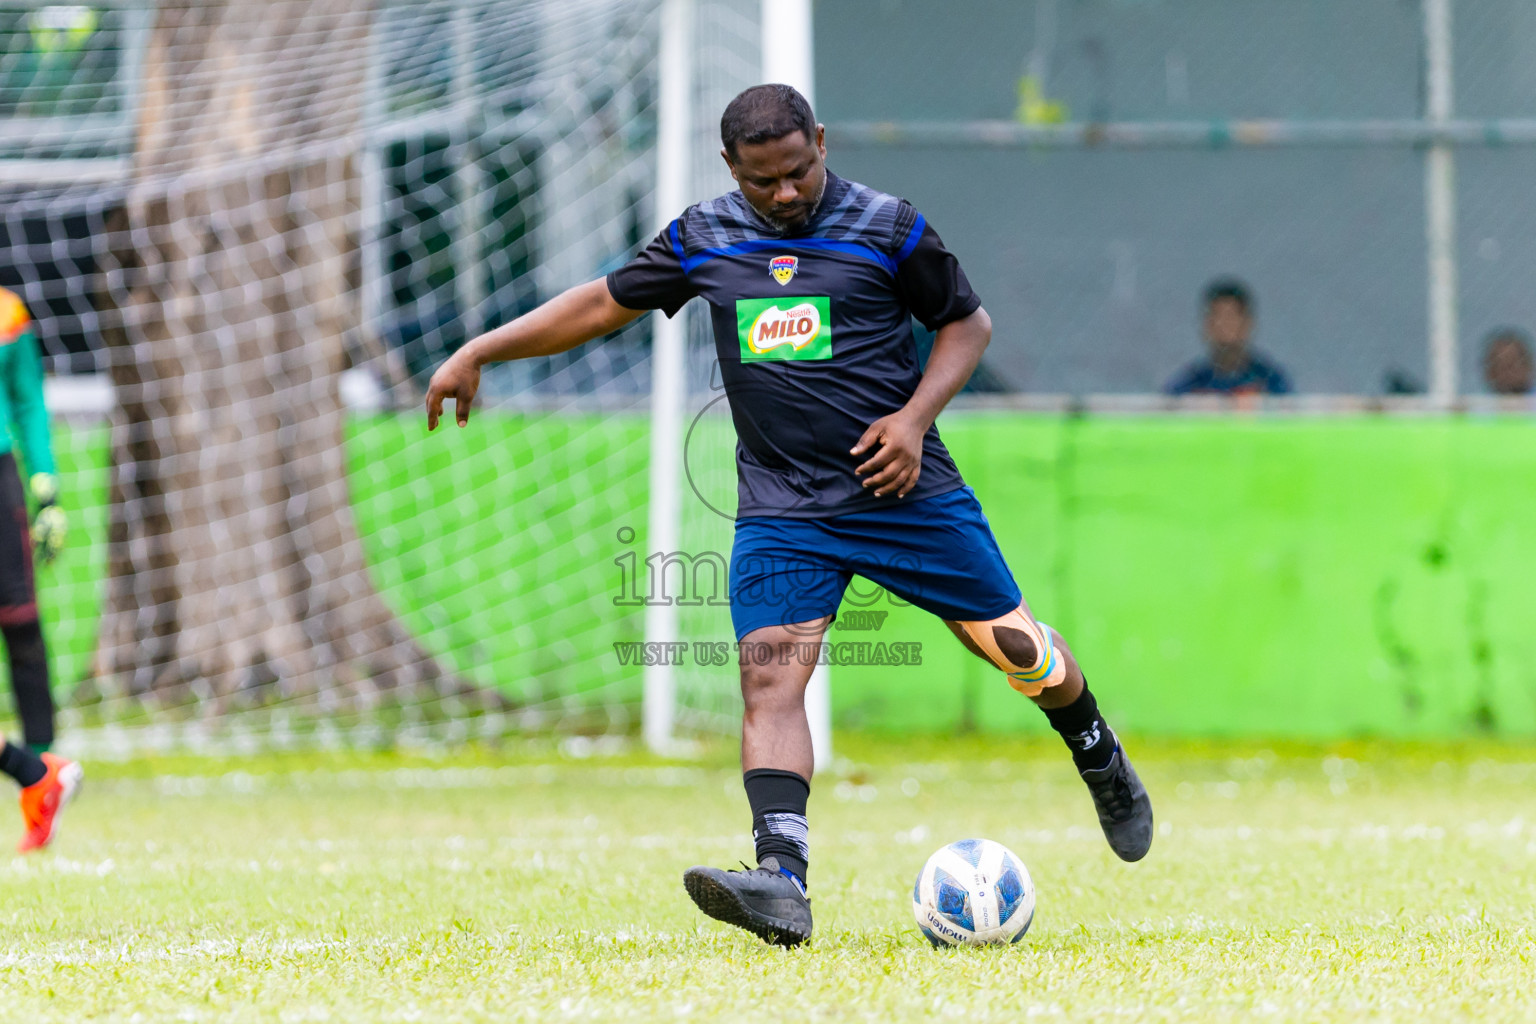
column 574, row 316
column 654, row 279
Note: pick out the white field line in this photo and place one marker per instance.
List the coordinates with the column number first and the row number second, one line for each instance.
column 238, row 783
column 246, row 948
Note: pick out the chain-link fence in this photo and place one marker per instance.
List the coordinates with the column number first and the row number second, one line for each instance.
column 1097, row 162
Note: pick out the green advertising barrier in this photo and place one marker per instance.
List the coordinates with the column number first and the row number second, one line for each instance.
column 1299, row 577
column 1308, row 577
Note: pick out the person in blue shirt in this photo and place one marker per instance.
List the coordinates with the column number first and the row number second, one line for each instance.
column 1232, row 367
column 1508, row 366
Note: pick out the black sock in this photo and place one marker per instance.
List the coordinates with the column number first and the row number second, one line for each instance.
column 778, row 800
column 1089, row 737
column 29, row 681
column 21, row 764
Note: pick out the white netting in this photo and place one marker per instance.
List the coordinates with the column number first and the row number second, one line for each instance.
column 727, row 48
column 251, row 231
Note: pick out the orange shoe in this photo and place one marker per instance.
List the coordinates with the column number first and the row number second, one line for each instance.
column 44, row 800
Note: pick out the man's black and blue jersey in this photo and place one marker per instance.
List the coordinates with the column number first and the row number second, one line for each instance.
column 814, row 334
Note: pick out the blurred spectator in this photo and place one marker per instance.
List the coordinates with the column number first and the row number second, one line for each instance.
column 1400, row 382
column 1507, row 364
column 1232, row 367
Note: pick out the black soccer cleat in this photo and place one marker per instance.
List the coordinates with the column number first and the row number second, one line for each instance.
column 1125, row 810
column 762, row 900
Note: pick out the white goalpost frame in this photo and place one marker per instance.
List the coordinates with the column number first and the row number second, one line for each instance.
column 1440, row 207
column 788, row 57
column 669, row 392
column 786, row 31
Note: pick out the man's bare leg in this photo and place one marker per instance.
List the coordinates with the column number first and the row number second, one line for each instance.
column 1050, row 697
column 774, row 731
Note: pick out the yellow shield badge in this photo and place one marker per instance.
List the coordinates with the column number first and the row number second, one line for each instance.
column 783, row 268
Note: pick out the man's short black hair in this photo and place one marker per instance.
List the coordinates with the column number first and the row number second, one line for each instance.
column 764, row 113
column 1229, row 288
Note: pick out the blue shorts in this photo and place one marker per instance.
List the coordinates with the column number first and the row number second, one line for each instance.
column 937, row 553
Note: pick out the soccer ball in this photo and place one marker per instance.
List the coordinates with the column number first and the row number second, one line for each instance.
column 974, row 892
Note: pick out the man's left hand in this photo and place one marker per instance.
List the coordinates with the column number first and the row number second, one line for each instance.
column 894, row 469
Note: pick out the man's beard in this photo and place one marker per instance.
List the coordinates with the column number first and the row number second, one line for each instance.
column 781, row 229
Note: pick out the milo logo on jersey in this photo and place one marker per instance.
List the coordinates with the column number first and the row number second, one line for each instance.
column 788, row 328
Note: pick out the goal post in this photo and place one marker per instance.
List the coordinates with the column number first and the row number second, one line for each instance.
column 789, row 57
column 785, row 33
column 669, row 388
column 268, row 543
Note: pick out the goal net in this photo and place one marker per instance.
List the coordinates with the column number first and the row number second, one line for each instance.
column 247, row 233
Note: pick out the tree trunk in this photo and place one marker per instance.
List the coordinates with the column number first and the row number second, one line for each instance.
column 235, row 566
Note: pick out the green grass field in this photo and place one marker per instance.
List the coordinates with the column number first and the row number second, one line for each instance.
column 1365, row 882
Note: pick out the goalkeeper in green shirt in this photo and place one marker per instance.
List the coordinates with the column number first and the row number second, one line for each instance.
column 47, row 780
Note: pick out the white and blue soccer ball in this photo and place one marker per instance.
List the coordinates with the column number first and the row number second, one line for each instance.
column 974, row 892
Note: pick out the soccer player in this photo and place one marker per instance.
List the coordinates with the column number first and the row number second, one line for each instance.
column 47, row 780
column 812, row 281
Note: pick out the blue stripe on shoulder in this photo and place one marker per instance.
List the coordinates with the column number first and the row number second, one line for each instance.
column 912, row 239
column 677, row 247
column 691, row 263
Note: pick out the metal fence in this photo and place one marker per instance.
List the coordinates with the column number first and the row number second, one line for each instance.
column 1361, row 164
